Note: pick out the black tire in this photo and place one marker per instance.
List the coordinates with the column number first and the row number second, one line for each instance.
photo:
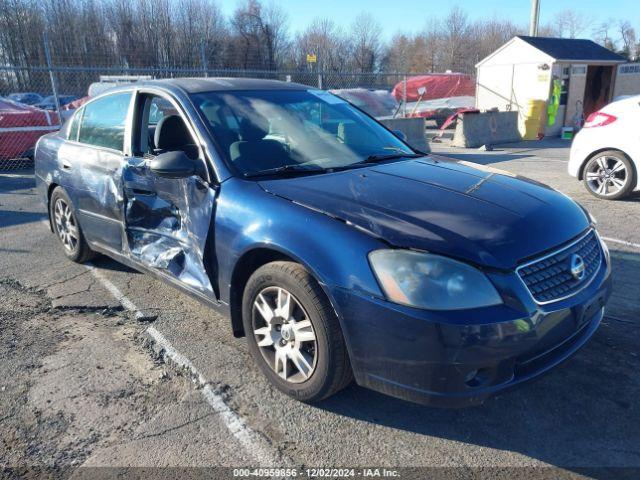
column 79, row 251
column 28, row 154
column 332, row 370
column 610, row 159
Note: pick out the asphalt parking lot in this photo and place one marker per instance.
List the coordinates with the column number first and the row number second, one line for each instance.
column 86, row 379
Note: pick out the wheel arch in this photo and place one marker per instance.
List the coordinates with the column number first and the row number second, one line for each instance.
column 246, row 265
column 50, row 188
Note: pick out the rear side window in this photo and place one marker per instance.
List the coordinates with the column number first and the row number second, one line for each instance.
column 103, row 121
column 72, row 133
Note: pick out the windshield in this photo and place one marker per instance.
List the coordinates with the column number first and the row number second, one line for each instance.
column 267, row 130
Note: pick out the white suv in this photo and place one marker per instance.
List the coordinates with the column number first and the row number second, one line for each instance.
column 605, row 154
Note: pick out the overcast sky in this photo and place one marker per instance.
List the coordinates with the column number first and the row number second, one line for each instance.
column 411, row 15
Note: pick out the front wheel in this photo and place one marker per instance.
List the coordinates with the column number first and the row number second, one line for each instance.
column 293, row 332
column 609, row 175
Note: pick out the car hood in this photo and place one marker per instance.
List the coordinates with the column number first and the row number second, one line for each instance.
column 480, row 214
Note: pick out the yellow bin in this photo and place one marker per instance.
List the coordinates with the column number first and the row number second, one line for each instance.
column 534, row 116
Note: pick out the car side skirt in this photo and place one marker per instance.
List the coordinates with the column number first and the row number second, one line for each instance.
column 219, row 306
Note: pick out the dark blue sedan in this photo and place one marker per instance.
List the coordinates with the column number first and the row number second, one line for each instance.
column 338, row 250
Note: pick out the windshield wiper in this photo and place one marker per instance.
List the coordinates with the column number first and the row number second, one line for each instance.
column 390, row 156
column 285, row 169
column 298, row 169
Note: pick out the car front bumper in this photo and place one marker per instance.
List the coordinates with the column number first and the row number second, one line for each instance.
column 460, row 358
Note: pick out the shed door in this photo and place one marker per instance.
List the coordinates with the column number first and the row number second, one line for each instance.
column 598, row 88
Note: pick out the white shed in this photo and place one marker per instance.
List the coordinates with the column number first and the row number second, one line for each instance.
column 526, row 69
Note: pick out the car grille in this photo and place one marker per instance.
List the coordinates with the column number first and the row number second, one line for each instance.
column 550, row 278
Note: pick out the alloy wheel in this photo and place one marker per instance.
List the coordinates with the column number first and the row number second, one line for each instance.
column 284, row 334
column 66, row 225
column 606, row 176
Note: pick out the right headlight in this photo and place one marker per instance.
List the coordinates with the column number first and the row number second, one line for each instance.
column 431, row 282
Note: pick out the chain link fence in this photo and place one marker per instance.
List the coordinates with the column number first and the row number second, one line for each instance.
column 29, row 96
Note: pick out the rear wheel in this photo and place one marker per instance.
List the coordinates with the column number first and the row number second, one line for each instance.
column 66, row 227
column 293, row 333
column 609, row 175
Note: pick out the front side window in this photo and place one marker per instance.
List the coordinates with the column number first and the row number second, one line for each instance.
column 266, row 129
column 162, row 129
column 103, row 122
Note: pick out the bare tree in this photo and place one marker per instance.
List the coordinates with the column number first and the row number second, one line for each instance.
column 456, row 40
column 602, row 33
column 397, row 54
column 95, row 42
column 366, row 44
column 571, row 24
column 247, row 28
column 124, row 25
column 433, row 40
column 489, row 35
column 259, row 33
column 194, row 33
column 628, row 39
column 277, row 21
column 21, row 27
column 198, row 26
column 324, row 38
column 449, row 44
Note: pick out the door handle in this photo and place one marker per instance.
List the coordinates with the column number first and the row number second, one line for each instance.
column 148, row 193
column 133, row 191
column 66, row 165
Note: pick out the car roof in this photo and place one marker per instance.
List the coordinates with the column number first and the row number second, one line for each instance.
column 199, row 85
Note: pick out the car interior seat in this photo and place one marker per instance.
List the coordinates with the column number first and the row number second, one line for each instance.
column 225, row 135
column 351, row 133
column 172, row 135
column 253, row 152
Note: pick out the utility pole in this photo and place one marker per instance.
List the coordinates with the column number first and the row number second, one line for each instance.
column 319, row 67
column 535, row 18
column 203, row 59
column 54, row 88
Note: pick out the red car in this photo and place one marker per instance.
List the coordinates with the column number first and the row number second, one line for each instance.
column 437, row 96
column 20, row 128
column 377, row 103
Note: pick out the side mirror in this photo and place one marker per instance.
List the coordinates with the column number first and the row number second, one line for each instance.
column 173, row 165
column 400, row 134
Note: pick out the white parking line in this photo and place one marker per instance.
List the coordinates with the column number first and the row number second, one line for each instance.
column 621, row 242
column 249, row 439
column 255, row 445
column 113, row 290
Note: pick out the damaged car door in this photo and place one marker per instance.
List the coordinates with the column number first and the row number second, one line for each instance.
column 168, row 204
column 91, row 160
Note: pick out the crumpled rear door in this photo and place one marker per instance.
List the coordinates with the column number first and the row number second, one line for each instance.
column 167, row 223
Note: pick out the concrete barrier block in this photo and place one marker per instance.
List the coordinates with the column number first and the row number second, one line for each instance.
column 413, row 128
column 488, row 128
